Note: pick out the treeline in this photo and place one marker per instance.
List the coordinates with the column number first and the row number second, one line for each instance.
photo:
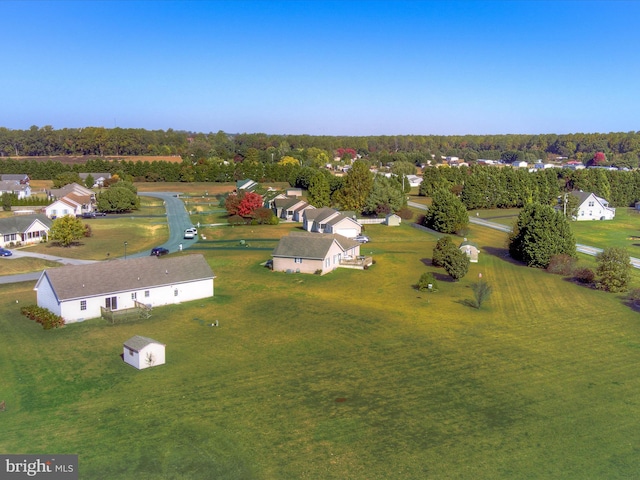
column 481, row 187
column 620, row 149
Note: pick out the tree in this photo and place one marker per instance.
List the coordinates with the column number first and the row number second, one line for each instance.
column 248, row 203
column 447, row 213
column 481, row 292
column 7, row 201
column 117, row 199
column 319, row 191
column 386, row 196
column 357, row 186
column 442, row 250
column 66, row 178
column 614, row 269
column 89, row 181
column 540, row 233
column 456, row 264
column 67, row 230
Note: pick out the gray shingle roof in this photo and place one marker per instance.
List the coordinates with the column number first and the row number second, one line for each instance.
column 138, row 342
column 80, row 281
column 20, row 223
column 310, row 245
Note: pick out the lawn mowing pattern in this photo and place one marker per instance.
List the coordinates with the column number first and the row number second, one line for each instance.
column 540, row 383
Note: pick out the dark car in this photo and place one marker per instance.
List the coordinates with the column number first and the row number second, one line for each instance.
column 159, row 251
column 100, row 214
column 5, row 253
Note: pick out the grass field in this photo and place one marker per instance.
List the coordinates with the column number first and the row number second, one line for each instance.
column 350, row 375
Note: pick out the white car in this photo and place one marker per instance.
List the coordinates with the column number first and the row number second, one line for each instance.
column 362, row 239
column 189, row 233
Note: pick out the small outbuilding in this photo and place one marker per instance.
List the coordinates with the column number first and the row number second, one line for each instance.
column 471, row 250
column 143, row 352
column 393, row 220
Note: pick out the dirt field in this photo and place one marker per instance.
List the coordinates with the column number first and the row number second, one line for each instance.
column 79, row 159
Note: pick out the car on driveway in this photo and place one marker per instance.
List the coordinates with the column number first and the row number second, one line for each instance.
column 362, row 239
column 190, row 233
column 159, row 251
column 5, row 253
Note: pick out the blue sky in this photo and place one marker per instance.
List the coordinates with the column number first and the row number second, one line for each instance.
column 323, row 67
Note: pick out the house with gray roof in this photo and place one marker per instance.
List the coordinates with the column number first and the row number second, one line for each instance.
column 80, row 292
column 21, row 190
column 24, row 229
column 143, row 352
column 98, row 178
column 16, row 177
column 304, row 252
column 329, row 220
column 290, row 208
column 591, row 207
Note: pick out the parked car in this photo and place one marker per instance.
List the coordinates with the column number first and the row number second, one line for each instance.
column 86, row 215
column 193, row 230
column 362, row 239
column 100, row 214
column 159, row 251
column 189, row 234
column 5, row 253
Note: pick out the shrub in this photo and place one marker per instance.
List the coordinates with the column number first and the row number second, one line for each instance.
column 87, row 230
column 584, row 275
column 427, row 279
column 236, row 220
column 634, row 297
column 561, row 264
column 44, row 317
column 405, row 213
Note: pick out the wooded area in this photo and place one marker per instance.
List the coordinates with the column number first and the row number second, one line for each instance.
column 621, row 149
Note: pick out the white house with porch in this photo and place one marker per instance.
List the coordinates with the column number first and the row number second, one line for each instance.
column 592, row 207
column 80, row 292
column 23, row 229
column 143, row 352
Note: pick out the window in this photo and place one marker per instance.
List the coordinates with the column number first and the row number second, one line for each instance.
column 134, row 295
column 83, row 304
column 591, row 203
column 298, row 260
column 175, row 292
column 146, row 293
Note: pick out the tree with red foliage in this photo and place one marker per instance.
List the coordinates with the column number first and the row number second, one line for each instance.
column 249, row 202
column 243, row 204
column 599, row 158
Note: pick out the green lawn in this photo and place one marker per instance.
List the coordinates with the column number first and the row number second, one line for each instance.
column 350, row 375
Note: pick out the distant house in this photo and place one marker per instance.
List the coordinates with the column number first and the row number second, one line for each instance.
column 414, row 180
column 592, row 207
column 294, row 192
column 329, row 220
column 290, row 208
column 471, row 250
column 303, row 252
column 23, row 229
column 98, row 178
column 80, row 292
column 69, row 205
column 143, row 352
column 21, row 190
column 22, row 178
column 520, row 164
column 246, row 184
column 72, row 188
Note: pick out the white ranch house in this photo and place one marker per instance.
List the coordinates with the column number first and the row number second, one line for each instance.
column 23, row 229
column 80, row 292
column 328, row 220
column 143, row 352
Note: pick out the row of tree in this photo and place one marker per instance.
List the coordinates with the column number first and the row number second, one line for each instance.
column 620, row 148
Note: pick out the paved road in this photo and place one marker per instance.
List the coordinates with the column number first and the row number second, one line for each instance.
column 177, row 219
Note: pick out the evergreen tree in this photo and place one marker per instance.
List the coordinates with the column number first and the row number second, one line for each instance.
column 319, row 191
column 357, row 186
column 614, row 269
column 456, row 264
column 540, row 233
column 447, row 214
column 442, row 251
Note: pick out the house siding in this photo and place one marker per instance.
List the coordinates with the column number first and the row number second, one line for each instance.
column 139, row 359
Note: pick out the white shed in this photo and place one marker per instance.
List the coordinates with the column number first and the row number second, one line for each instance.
column 143, row 352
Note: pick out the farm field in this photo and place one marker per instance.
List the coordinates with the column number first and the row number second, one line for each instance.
column 351, row 375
